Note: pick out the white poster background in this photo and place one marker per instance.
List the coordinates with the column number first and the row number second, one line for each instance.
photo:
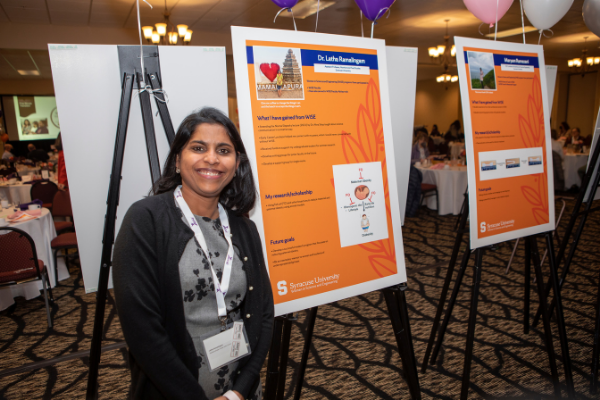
column 87, row 84
column 551, row 71
column 594, row 144
column 402, row 83
column 461, row 43
column 239, row 37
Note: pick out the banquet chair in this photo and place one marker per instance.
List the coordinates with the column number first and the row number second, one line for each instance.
column 428, row 190
column 45, row 192
column 64, row 241
column 7, row 171
column 61, row 207
column 19, row 263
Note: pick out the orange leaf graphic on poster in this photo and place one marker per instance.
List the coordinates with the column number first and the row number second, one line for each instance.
column 532, row 131
column 367, row 145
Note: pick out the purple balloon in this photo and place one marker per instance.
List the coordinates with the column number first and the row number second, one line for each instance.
column 372, row 8
column 285, row 3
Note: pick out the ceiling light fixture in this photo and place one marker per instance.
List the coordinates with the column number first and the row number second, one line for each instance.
column 167, row 33
column 585, row 63
column 512, row 32
column 28, row 72
column 444, row 55
column 306, row 8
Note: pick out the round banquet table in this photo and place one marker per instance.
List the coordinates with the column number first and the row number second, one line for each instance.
column 16, row 194
column 571, row 164
column 42, row 232
column 451, row 184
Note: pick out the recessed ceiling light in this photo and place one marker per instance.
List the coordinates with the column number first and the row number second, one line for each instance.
column 513, row 32
column 307, row 8
column 28, row 72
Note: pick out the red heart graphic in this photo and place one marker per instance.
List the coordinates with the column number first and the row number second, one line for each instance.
column 270, row 70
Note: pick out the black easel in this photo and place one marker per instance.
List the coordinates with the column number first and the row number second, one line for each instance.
column 129, row 60
column 531, row 254
column 575, row 214
column 278, row 354
column 455, row 250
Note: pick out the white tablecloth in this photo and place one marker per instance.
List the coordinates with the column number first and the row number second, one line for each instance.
column 451, row 184
column 571, row 164
column 42, row 232
column 16, row 194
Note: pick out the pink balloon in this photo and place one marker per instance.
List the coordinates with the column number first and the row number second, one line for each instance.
column 485, row 10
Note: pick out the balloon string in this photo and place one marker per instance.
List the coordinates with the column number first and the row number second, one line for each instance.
column 496, row 25
column 542, row 32
column 481, row 33
column 143, row 87
column 362, row 28
column 522, row 20
column 384, row 10
column 282, row 10
column 137, row 2
column 318, row 7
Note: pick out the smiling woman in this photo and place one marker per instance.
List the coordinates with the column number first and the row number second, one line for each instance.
column 189, row 273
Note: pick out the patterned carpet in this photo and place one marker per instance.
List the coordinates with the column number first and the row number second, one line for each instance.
column 354, row 353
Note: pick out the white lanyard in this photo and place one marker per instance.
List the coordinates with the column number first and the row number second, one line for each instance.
column 222, row 287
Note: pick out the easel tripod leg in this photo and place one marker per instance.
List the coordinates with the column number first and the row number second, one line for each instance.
column 285, row 351
column 403, row 341
column 459, row 278
column 311, row 318
column 545, row 314
column 527, row 278
column 564, row 343
column 447, row 281
column 109, row 236
column 596, row 351
column 464, row 393
column 273, row 363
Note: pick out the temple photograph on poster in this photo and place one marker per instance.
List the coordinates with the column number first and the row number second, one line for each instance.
column 481, row 68
column 278, row 72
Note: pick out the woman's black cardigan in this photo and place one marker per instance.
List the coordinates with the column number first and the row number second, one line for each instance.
column 163, row 360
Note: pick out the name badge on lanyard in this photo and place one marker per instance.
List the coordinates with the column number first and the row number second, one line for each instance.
column 221, row 287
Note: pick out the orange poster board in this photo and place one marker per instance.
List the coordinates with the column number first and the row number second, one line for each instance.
column 314, row 115
column 507, row 135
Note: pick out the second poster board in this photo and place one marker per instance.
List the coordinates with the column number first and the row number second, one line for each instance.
column 315, row 120
column 507, row 134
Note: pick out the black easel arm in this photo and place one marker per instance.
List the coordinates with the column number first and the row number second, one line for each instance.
column 161, row 104
column 149, row 132
column 108, row 238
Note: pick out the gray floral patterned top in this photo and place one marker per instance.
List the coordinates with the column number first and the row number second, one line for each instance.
column 200, row 304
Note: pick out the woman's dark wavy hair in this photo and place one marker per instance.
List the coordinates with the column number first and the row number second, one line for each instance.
column 240, row 194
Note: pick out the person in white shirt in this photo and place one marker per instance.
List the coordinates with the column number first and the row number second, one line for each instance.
column 7, row 155
column 557, row 146
column 481, row 77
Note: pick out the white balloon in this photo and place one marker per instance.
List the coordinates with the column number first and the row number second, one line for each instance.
column 544, row 14
column 591, row 15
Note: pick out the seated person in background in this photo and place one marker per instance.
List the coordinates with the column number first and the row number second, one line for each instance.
column 420, row 152
column 453, row 132
column 563, row 130
column 7, row 152
column 557, row 146
column 36, row 154
column 42, row 127
column 61, row 170
column 435, row 131
column 574, row 137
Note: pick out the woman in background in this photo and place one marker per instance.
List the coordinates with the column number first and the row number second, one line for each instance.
column 61, row 169
column 420, row 152
column 188, row 263
column 26, row 127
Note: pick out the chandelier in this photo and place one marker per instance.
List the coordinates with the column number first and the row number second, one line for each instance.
column 585, row 63
column 167, row 33
column 444, row 55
